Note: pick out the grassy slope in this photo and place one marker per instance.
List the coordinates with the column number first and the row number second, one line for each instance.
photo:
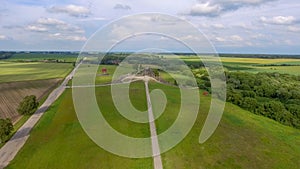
column 242, row 140
column 58, row 140
column 10, row 71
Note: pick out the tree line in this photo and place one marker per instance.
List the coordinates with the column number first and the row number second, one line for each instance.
column 273, row 95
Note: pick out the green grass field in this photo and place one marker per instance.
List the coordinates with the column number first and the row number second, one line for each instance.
column 58, row 140
column 242, row 140
column 256, row 65
column 13, row 71
column 105, row 78
column 41, row 57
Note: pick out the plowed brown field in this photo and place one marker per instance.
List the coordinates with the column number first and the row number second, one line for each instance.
column 12, row 93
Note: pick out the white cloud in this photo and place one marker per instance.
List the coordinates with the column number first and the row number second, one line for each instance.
column 220, row 39
column 259, row 36
column 294, row 29
column 93, row 19
column 3, row 37
column 218, row 26
column 36, row 28
column 190, row 38
column 233, row 38
column 279, row 20
column 55, row 29
column 236, row 38
column 214, row 8
column 205, row 9
column 289, row 42
column 50, row 21
column 122, row 7
column 59, row 36
column 72, row 10
column 53, row 25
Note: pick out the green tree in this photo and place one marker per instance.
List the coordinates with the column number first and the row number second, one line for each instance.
column 6, row 128
column 249, row 104
column 175, row 83
column 156, row 72
column 246, row 93
column 283, row 94
column 28, row 106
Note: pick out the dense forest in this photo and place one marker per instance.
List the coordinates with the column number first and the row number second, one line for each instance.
column 273, row 95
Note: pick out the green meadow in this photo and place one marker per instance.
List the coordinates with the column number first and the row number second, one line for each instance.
column 255, row 65
column 42, row 56
column 17, row 71
column 242, row 139
column 58, row 141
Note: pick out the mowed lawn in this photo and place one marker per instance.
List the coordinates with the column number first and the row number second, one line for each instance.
column 58, row 141
column 14, row 71
column 242, row 139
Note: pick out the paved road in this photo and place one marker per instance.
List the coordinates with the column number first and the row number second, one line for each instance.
column 11, row 148
column 154, row 141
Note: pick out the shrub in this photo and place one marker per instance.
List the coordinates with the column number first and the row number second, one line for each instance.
column 28, row 106
column 6, row 128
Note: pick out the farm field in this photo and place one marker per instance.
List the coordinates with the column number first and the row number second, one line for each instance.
column 248, row 60
column 13, row 71
column 12, row 94
column 42, row 57
column 18, row 80
column 242, row 140
column 256, row 65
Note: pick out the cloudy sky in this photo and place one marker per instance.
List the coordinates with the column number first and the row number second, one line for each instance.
column 232, row 26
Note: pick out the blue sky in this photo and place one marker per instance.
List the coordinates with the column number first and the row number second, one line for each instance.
column 234, row 26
